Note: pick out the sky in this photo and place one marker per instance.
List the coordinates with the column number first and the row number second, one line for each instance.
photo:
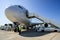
column 49, row 9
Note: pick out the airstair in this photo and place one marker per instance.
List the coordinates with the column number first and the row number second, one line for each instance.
column 45, row 20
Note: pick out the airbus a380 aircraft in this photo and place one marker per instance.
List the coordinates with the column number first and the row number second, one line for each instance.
column 18, row 14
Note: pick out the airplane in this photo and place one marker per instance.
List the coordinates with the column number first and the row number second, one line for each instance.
column 19, row 15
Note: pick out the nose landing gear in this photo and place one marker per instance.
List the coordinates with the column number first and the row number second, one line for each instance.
column 16, row 26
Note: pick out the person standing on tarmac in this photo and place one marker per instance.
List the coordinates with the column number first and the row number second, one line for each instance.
column 20, row 28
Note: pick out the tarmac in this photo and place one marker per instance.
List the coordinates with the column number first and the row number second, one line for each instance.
column 29, row 35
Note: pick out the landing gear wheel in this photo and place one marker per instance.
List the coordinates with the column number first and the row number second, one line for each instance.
column 15, row 30
column 42, row 30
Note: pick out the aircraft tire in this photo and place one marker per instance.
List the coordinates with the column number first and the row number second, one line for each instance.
column 42, row 30
column 15, row 30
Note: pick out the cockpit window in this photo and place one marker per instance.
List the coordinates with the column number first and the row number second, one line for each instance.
column 20, row 7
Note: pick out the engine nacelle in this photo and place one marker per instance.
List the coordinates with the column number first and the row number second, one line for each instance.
column 46, row 25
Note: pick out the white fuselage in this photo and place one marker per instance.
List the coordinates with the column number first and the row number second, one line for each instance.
column 17, row 14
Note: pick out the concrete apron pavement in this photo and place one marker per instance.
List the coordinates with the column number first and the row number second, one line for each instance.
column 9, row 35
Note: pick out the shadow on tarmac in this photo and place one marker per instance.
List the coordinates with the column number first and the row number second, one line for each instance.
column 33, row 33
